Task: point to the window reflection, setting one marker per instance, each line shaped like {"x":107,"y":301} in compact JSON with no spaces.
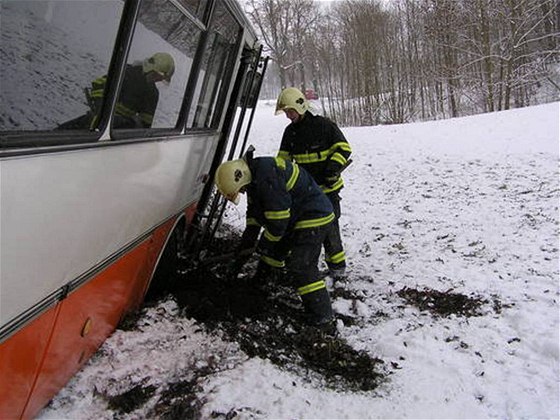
{"x":50,"y":51}
{"x":163,"y":47}
{"x":195,"y":7}
{"x":217,"y":62}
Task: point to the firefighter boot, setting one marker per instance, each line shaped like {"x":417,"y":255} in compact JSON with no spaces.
{"x":318,"y":309}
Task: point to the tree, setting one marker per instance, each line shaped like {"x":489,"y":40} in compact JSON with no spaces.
{"x":285,"y":27}
{"x":375,"y":62}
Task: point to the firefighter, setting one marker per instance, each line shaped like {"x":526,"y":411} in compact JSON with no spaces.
{"x":283,"y":199}
{"x":138,"y":96}
{"x":318,"y":145}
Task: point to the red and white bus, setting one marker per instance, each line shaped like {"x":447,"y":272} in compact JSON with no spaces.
{"x":97,"y":188}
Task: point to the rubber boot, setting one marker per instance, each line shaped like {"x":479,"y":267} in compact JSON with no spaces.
{"x":318,"y":307}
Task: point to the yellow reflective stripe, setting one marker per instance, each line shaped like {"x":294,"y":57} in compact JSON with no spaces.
{"x":100,"y":79}
{"x":293,"y":179}
{"x":337,"y":157}
{"x":336,"y":258}
{"x":335,"y":187}
{"x":271,"y":237}
{"x":312,"y":287}
{"x":312,"y":157}
{"x":277,"y":215}
{"x":96,"y":93}
{"x":272,"y":262}
{"x":284,"y":155}
{"x":93,"y":122}
{"x":344,"y":146}
{"x":251,"y":221}
{"x":147,"y":118}
{"x":124,"y":111}
{"x":310,"y":223}
{"x":98,"y":86}
{"x":280,"y":162}
{"x":323,"y":155}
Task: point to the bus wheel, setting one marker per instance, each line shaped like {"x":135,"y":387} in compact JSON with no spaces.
{"x":167,"y":272}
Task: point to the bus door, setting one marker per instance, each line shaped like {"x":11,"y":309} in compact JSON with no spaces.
{"x":233,"y":144}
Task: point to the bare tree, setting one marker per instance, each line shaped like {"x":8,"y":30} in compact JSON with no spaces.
{"x":389,"y":62}
{"x":285,"y":27}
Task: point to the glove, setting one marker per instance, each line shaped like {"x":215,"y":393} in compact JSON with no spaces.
{"x":267,"y":274}
{"x":330,"y":180}
{"x":234,"y":268}
{"x":243,"y":252}
{"x":332,"y":173}
{"x":263,"y":270}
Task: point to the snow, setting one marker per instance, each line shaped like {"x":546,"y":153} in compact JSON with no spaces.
{"x":467,"y":204}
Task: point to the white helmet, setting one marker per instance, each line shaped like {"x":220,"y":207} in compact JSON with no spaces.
{"x":292,"y":98}
{"x":230,"y":177}
{"x":161,"y":63}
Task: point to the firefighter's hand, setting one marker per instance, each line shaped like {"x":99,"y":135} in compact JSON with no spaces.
{"x":267,"y":274}
{"x":331,"y":176}
{"x":263,"y":270}
{"x":234,"y":269}
{"x":331,"y":180}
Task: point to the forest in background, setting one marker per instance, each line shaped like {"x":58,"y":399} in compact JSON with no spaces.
{"x":396,"y":61}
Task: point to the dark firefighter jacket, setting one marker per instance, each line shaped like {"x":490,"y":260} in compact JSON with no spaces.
{"x":137,"y":100}
{"x":282,"y":197}
{"x":318,"y":145}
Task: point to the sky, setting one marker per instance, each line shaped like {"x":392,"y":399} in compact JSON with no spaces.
{"x":468,"y":205}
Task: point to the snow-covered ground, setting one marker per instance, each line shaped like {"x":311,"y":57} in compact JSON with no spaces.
{"x":468,"y":205}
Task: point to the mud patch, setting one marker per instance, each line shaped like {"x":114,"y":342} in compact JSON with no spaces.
{"x":130,"y":400}
{"x":266,"y":318}
{"x":180,"y":401}
{"x":444,"y":304}
{"x":177,"y":400}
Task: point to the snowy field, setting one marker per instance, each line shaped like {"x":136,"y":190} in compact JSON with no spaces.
{"x":468,"y":206}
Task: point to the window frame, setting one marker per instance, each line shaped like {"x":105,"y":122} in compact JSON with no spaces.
{"x":216,"y":121}
{"x":27,"y":141}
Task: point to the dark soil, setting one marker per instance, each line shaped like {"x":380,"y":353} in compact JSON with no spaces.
{"x":131,"y":399}
{"x":265,"y":317}
{"x":443,"y":304}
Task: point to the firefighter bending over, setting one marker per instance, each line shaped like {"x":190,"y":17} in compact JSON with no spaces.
{"x":283,"y":199}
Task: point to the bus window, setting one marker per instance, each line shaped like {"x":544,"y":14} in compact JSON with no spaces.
{"x":251,"y":88}
{"x":216,"y":67}
{"x":163,"y":47}
{"x":50,"y":51}
{"x":196,"y":7}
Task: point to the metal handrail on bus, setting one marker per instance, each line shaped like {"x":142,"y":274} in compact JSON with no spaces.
{"x":201,"y":235}
{"x":220,"y":203}
{"x":221,"y":200}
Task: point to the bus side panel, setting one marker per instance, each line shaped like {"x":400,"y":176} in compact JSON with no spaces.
{"x":87,"y":317}
{"x":20,"y":360}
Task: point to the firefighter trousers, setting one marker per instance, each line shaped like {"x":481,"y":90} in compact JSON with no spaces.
{"x":334,"y":251}
{"x":303,"y":270}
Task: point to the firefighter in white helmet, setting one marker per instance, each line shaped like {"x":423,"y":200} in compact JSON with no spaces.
{"x":138,"y":97}
{"x":162,"y":64}
{"x":318,"y":145}
{"x":287,"y":204}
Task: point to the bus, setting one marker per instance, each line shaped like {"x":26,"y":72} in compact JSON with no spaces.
{"x":114,"y":115}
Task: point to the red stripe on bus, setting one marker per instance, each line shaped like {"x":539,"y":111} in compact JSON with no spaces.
{"x":41,"y":358}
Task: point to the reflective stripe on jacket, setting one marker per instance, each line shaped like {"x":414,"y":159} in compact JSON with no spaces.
{"x":318,"y":145}
{"x":138,"y":97}
{"x":283,"y":197}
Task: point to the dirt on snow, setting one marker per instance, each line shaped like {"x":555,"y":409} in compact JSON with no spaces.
{"x":265,"y":317}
